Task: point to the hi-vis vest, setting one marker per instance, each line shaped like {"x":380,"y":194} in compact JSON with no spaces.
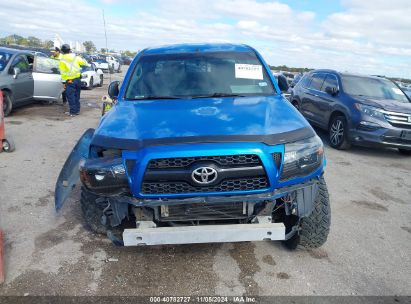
{"x":70,"y":66}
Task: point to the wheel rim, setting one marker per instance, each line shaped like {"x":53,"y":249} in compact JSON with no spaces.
{"x":336,"y":132}
{"x":6,"y":146}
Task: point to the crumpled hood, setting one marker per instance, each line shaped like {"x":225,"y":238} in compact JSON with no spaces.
{"x":206,"y":117}
{"x":387,"y":104}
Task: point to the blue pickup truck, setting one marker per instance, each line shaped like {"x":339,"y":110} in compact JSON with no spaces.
{"x":200,"y":147}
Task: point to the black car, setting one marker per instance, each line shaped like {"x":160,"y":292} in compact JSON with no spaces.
{"x":355,"y":109}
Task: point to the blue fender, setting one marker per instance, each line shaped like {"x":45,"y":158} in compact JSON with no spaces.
{"x":69,"y":175}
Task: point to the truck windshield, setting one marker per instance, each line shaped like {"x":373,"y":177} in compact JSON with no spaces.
{"x":4,"y":59}
{"x":372,"y":87}
{"x":199,"y":75}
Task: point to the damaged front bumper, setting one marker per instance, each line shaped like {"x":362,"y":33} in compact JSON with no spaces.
{"x":261,"y":227}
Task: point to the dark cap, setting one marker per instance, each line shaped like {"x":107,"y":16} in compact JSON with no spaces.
{"x":65,"y":48}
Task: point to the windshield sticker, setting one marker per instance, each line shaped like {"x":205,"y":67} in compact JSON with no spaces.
{"x":397,"y":91}
{"x":248,"y":71}
{"x":262,"y":84}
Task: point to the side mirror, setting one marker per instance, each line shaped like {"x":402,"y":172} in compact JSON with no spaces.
{"x":16,"y":72}
{"x":113,"y":89}
{"x":331,"y":90}
{"x":282,"y":83}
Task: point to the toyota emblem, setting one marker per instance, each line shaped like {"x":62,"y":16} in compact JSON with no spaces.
{"x":204,"y":175}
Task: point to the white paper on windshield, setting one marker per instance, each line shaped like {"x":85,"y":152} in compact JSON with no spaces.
{"x":248,"y":71}
{"x":397,"y":91}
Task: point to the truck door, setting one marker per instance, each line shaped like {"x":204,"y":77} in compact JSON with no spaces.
{"x":22,"y":84}
{"x":47,"y":79}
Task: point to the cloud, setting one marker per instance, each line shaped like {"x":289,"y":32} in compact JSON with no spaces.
{"x":366,"y":36}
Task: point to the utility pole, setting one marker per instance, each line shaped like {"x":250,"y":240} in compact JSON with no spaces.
{"x":105,"y":35}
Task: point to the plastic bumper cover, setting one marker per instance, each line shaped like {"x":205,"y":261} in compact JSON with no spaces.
{"x":387,"y":137}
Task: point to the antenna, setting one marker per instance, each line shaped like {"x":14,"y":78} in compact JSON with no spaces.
{"x":105,"y":35}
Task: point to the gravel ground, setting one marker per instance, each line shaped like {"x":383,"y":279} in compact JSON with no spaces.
{"x":368,"y":251}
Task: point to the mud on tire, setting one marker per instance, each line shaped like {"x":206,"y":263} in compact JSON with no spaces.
{"x":92,"y":211}
{"x":314,"y":228}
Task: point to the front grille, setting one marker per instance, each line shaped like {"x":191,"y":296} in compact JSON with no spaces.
{"x":402,"y":126}
{"x":242,"y":184}
{"x":200,"y":211}
{"x":242,"y":172}
{"x":399,"y":120}
{"x":226,"y":160}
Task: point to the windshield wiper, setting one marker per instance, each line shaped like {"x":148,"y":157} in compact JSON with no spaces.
{"x":155,"y":97}
{"x":218,"y":95}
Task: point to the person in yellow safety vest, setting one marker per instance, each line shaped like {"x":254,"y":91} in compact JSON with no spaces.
{"x":56,"y":54}
{"x":70,"y":70}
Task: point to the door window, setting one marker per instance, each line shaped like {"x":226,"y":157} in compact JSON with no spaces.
{"x":20,"y":62}
{"x":4,"y":59}
{"x":317,"y":81}
{"x":46,"y":65}
{"x":305,"y":82}
{"x":330,"y":81}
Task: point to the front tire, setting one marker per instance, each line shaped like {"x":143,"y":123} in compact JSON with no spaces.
{"x":296,"y":105}
{"x":93,"y":211}
{"x":404,"y":151}
{"x":91,"y":84}
{"x":8,"y":145}
{"x":7,"y":103}
{"x":315,"y":228}
{"x":338,"y":133}
{"x":100,"y":84}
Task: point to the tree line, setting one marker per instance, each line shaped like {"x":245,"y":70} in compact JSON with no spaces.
{"x":35,"y":42}
{"x":30,"y":41}
{"x":285,"y":68}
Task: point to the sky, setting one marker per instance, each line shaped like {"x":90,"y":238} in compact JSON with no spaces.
{"x":360,"y":36}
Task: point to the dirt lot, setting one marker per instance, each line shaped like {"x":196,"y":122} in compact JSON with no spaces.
{"x":368,"y":251}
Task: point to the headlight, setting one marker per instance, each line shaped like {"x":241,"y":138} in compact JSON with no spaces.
{"x":105,"y":176}
{"x":302,"y":158}
{"x":370,"y":111}
{"x":83,"y":76}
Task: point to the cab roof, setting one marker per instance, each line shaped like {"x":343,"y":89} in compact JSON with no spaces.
{"x":192,"y":48}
